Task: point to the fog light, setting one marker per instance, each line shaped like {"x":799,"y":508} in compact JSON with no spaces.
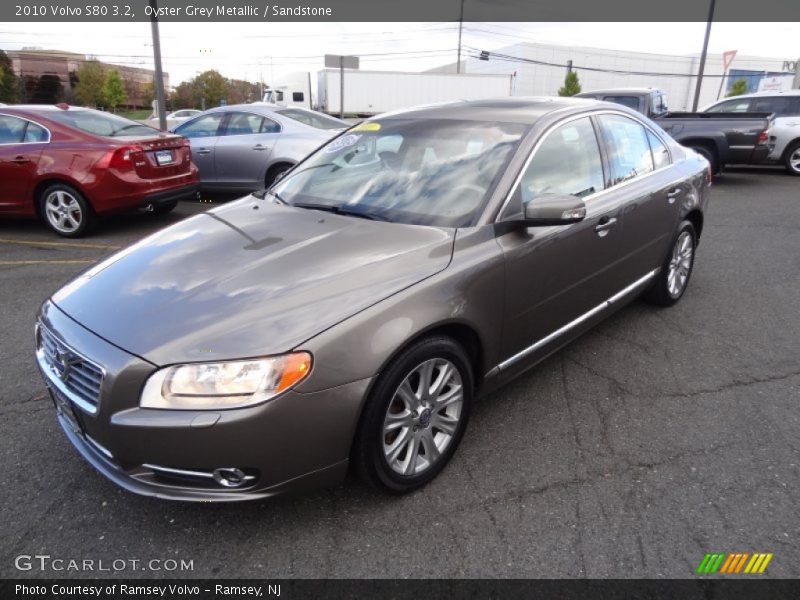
{"x":230,"y":477}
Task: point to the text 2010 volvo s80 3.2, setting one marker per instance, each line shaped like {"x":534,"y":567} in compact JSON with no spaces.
{"x":349,"y":316}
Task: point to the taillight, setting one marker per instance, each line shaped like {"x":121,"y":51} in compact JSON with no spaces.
{"x":763,"y":138}
{"x":121,"y":158}
{"x":186,"y":145}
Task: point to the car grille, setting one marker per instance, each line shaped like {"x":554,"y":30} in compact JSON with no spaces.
{"x":81,"y":378}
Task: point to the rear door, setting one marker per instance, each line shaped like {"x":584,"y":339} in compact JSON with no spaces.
{"x":21,"y":144}
{"x":647,"y":188}
{"x":242,"y":152}
{"x":203,"y":134}
{"x":556,"y":274}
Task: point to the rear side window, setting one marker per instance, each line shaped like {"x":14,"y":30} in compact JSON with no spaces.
{"x":780,"y":105}
{"x":740,"y":105}
{"x":628,"y":148}
{"x":567,"y":162}
{"x":11,"y":129}
{"x":660,"y":152}
{"x":35,"y":133}
{"x":206,"y":126}
{"x":629,"y":101}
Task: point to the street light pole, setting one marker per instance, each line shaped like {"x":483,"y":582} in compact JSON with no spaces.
{"x":702,"y":67}
{"x":460,"y":27}
{"x":159,"y":82}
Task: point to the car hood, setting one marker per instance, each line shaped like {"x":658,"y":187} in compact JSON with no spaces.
{"x":248,"y":279}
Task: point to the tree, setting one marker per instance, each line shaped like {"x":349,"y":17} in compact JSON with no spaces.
{"x":9,"y":85}
{"x":209,"y":88}
{"x":48,"y":90}
{"x":738,"y":88}
{"x":571,"y":85}
{"x":240,"y":91}
{"x":113,"y":89}
{"x":91,"y":79}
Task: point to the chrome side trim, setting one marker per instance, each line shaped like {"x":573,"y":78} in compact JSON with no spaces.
{"x":574,"y":323}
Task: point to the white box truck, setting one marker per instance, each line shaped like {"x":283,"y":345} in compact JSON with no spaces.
{"x":368,"y":93}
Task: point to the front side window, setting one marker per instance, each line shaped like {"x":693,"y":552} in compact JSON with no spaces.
{"x":627,"y":146}
{"x":566,"y":162}
{"x":780,"y":105}
{"x":207,"y":126}
{"x":11,"y":129}
{"x":437,"y":172}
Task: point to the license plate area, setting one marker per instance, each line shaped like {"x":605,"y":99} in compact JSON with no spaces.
{"x":164,"y":157}
{"x":65,"y":408}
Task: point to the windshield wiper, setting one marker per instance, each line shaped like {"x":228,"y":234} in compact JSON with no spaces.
{"x":340,"y":209}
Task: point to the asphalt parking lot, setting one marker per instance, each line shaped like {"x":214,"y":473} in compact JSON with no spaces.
{"x":657,"y":437}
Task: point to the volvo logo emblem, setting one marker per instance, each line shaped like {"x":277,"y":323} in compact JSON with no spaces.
{"x":61,"y":365}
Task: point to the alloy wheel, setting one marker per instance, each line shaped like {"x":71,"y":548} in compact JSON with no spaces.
{"x":63,"y":211}
{"x":794,"y":160}
{"x":680,"y":264}
{"x":422,"y":417}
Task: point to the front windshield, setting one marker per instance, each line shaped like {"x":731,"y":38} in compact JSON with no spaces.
{"x":101,"y":123}
{"x":420,"y":171}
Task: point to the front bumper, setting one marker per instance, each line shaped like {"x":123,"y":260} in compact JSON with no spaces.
{"x":292,"y":443}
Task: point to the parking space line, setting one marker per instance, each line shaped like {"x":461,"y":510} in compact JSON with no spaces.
{"x":59,"y":244}
{"x":47,"y":262}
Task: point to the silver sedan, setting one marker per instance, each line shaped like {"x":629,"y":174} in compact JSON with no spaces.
{"x":245,"y":147}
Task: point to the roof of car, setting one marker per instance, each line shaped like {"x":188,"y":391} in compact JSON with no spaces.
{"x":517,"y":109}
{"x":620,"y":90}
{"x":46,"y":107}
{"x":764,"y":93}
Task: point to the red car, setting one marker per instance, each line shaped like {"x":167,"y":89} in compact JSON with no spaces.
{"x":66,"y":165}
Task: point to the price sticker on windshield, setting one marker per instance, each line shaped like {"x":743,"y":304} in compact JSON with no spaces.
{"x":342,"y":142}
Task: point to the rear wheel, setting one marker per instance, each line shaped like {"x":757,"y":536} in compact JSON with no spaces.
{"x":415,"y":417}
{"x":65,"y":210}
{"x":673,"y":278}
{"x":792,"y":160}
{"x":709,"y":155}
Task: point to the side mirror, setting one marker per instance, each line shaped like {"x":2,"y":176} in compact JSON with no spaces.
{"x":554,"y":209}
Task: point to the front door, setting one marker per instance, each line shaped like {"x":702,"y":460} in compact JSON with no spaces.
{"x":243,"y":151}
{"x":554,"y":275}
{"x":203,"y":133}
{"x":21,"y":144}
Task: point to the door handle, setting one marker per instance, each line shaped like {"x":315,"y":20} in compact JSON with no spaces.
{"x":203,"y":151}
{"x":604,"y":224}
{"x":673,"y":194}
{"x":260,"y":147}
{"x":20,"y":160}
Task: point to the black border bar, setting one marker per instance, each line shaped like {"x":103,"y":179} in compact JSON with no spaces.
{"x":400,"y":10}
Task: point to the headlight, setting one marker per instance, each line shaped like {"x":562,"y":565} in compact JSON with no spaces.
{"x":217,"y":386}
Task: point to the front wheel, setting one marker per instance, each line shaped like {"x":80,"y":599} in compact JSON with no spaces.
{"x":673,"y":278}
{"x":792,"y":161}
{"x":65,"y":210}
{"x":415,"y":416}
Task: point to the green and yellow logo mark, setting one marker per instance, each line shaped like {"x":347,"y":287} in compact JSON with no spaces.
{"x":734,"y":563}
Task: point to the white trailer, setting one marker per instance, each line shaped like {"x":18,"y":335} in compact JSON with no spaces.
{"x":372,"y":92}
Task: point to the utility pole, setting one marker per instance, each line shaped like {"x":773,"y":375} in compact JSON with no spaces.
{"x":703,"y":56}
{"x":159,"y":82}
{"x":460,"y":28}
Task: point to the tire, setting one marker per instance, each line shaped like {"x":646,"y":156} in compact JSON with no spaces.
{"x":792,"y":159}
{"x":676,"y":271}
{"x":275,"y":173}
{"x":398,"y":425}
{"x":164,"y":207}
{"x":710,"y":156}
{"x":65,"y":210}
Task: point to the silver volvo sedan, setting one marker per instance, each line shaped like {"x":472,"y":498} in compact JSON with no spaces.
{"x":350,"y":315}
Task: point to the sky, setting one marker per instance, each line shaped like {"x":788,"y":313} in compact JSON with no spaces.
{"x":269,"y":51}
